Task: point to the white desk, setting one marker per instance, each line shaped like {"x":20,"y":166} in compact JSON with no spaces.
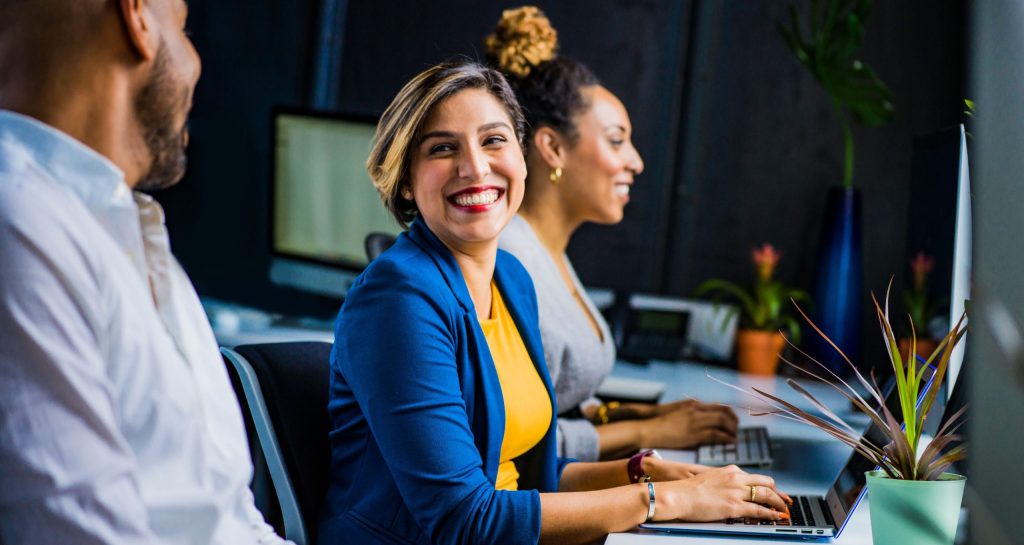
{"x":806,"y":459}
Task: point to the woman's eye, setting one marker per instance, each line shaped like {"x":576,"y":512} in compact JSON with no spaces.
{"x":494,"y":140}
{"x":617,"y":143}
{"x":440,"y":148}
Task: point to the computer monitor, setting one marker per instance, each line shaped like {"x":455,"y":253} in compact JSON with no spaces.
{"x":322,"y":201}
{"x":939,"y":225}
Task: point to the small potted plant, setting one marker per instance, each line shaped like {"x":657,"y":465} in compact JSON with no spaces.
{"x":920,"y":307}
{"x":759,"y":340}
{"x":913,"y":499}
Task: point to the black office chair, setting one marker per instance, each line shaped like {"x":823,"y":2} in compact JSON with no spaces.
{"x":285,"y":388}
{"x":376,"y":243}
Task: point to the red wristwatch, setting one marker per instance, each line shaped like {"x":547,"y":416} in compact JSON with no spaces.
{"x":635,"y":466}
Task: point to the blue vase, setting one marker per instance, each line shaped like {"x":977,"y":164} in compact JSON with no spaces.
{"x":840,"y":285}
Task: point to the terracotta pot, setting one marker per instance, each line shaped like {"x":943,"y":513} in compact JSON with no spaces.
{"x":757,"y":352}
{"x":925,"y":347}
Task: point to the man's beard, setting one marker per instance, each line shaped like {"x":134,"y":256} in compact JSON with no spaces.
{"x":156,"y":107}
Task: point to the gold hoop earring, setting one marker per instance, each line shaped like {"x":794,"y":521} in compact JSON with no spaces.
{"x":556,"y":175}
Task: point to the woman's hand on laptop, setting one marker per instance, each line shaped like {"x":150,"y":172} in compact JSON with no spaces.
{"x":719,"y":494}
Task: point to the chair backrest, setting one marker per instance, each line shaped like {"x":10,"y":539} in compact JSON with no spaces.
{"x":376,"y":243}
{"x":286,"y":390}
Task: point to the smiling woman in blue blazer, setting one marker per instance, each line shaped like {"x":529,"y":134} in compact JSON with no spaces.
{"x":441,"y":403}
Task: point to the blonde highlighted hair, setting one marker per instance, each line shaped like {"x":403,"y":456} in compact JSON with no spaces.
{"x":401,"y":124}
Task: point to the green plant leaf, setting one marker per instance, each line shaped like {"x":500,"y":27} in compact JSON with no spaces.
{"x":729,"y":288}
{"x":946,"y":346}
{"x":793,"y":327}
{"x":835,"y":32}
{"x":940,"y":465}
{"x":907,"y":392}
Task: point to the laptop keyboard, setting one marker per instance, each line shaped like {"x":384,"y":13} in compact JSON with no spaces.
{"x":751,"y":448}
{"x":800,"y":514}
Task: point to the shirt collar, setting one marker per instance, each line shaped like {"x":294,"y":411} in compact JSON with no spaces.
{"x":96,"y":180}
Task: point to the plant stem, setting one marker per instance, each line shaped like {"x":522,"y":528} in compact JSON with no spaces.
{"x":847,"y":149}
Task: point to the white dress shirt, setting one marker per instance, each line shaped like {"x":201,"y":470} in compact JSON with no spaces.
{"x":118,"y":423}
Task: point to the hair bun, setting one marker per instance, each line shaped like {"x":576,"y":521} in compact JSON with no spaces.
{"x":523,"y":40}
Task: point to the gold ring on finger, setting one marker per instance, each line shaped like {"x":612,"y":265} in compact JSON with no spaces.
{"x":753,"y":494}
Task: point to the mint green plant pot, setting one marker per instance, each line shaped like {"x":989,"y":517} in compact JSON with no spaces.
{"x":914,"y":512}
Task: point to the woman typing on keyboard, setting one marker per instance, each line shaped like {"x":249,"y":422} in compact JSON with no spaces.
{"x":442,"y":408}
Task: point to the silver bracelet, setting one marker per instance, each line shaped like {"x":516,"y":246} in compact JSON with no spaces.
{"x":650,"y":501}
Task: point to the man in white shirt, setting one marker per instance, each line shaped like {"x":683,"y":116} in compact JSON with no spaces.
{"x":118,"y":423}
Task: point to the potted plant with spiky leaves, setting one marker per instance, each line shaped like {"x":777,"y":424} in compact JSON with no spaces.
{"x":762,"y":313}
{"x":912,"y":497}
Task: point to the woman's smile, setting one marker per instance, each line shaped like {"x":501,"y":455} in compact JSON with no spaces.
{"x":476,"y":199}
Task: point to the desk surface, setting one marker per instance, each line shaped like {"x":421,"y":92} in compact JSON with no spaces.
{"x":806,"y":459}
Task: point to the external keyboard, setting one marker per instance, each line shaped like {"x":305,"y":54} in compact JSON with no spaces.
{"x":752,"y":448}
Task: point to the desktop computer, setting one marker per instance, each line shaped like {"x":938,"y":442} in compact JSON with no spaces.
{"x":323,"y":204}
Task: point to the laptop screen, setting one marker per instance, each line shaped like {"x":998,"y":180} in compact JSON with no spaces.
{"x":851,"y":481}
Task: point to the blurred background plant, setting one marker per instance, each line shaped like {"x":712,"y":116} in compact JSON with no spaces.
{"x":761,"y":308}
{"x":970,"y":112}
{"x":916,"y":298}
{"x":835,"y":30}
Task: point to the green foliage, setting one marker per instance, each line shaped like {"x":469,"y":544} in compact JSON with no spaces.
{"x":920,"y":309}
{"x":835,"y":31}
{"x":970,"y":113}
{"x":762,"y":307}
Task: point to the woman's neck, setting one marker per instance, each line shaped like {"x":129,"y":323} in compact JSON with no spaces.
{"x":551,"y":223}
{"x":477,"y":269}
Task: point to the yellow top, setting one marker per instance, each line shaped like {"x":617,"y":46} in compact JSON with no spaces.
{"x":527,"y":405}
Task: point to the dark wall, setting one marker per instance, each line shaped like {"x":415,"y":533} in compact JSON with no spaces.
{"x":252,"y":58}
{"x":738,"y":140}
{"x":761,"y":143}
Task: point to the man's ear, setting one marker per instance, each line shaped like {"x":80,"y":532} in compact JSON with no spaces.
{"x":551,"y":146}
{"x":139,"y":28}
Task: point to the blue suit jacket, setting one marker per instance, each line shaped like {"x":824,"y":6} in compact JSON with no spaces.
{"x":417,"y":407}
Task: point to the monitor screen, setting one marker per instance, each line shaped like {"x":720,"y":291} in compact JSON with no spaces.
{"x":323,"y":203}
{"x":939,"y":232}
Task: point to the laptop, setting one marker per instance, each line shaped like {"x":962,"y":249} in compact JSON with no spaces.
{"x":811,"y":516}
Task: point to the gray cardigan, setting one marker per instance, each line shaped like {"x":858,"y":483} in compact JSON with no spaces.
{"x":577,"y":359}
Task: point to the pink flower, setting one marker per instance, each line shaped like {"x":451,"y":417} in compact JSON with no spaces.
{"x":765,"y":258}
{"x":921,"y":265}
